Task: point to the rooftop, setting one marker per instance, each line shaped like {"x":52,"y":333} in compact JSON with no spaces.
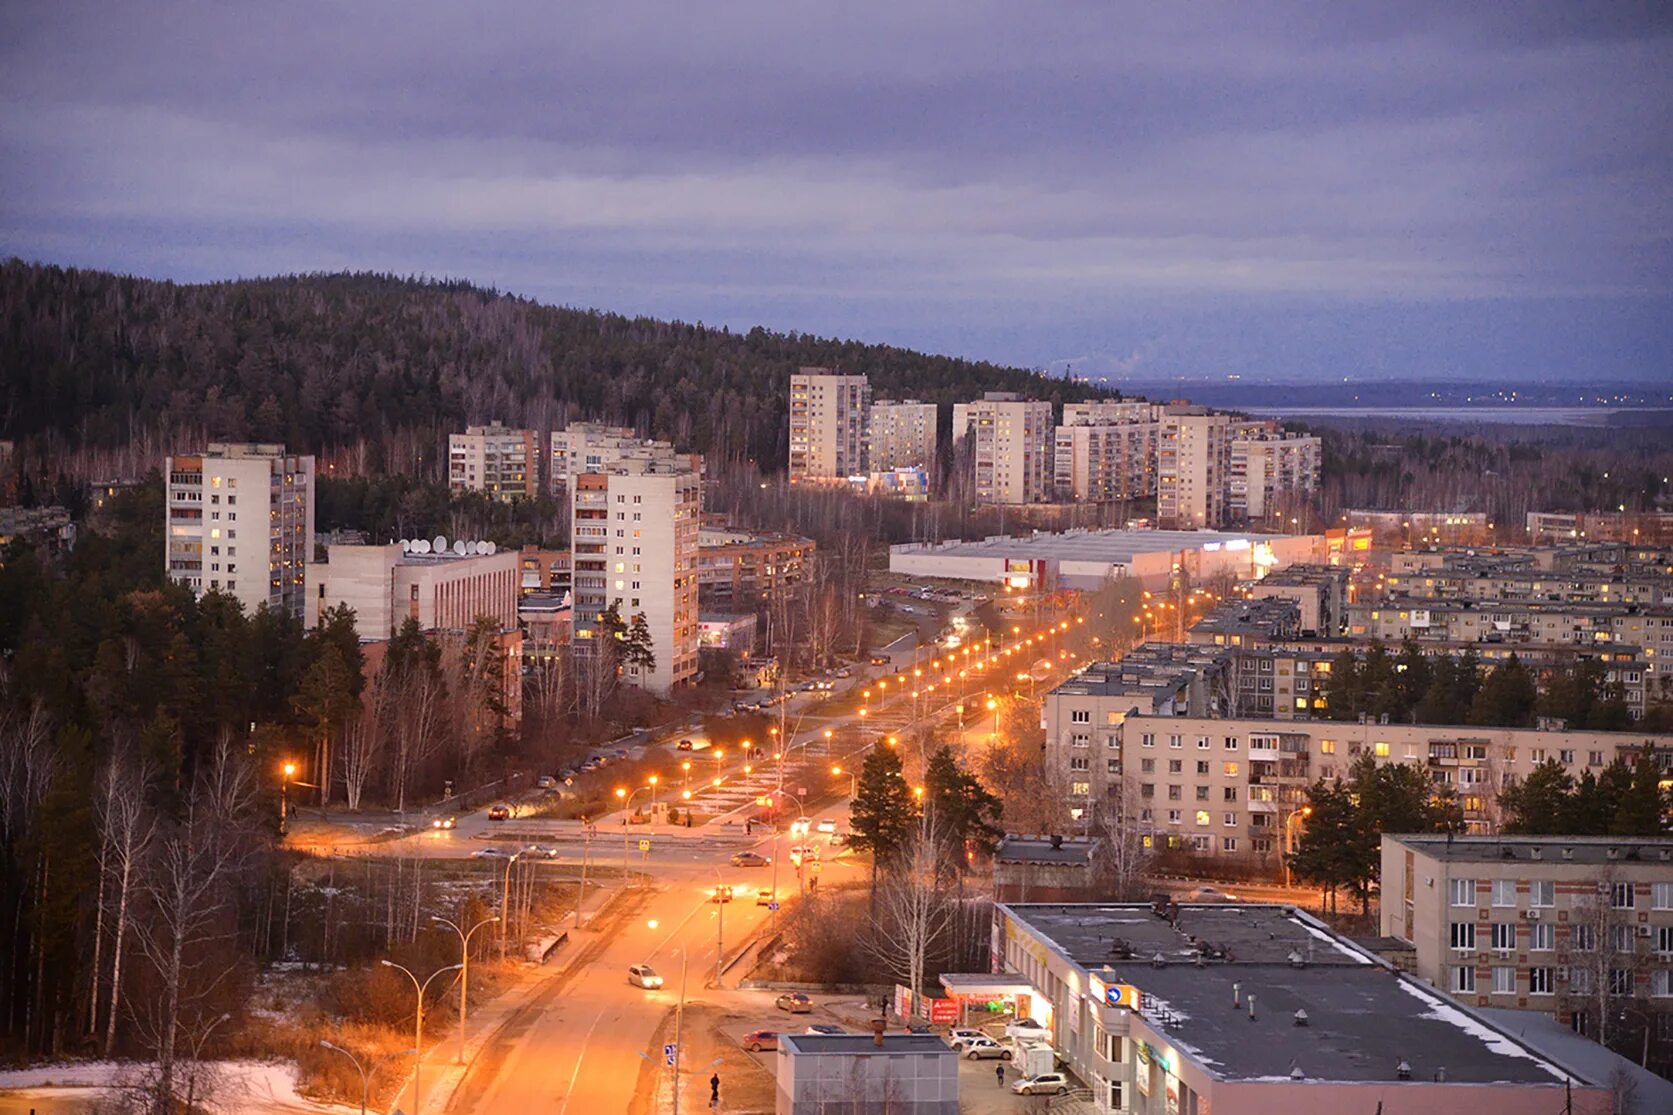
{"x":1268,"y":616}
{"x":1153,"y":669}
{"x":1545,"y":849}
{"x":861,"y":1045}
{"x":1199,"y":968}
{"x":1043,"y":849}
{"x":1091,"y":545}
{"x":1304,"y":574}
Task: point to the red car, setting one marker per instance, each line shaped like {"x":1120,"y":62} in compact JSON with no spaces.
{"x":757,"y":1040}
{"x":499,"y":812}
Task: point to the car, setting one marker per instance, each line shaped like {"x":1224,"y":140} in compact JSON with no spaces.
{"x":845,"y":672}
{"x":499,"y":812}
{"x":958,"y":1038}
{"x":794,"y":1002}
{"x":839,"y":839}
{"x":801,"y":852}
{"x":683,"y":745}
{"x":1042,"y":1084}
{"x":541,"y":851}
{"x":444,"y":822}
{"x":722,"y":893}
{"x":749,"y":859}
{"x":985,"y":1049}
{"x":828,"y":827}
{"x":643,"y":975}
{"x":825,"y":1029}
{"x":757,"y":1040}
{"x":619,"y":753}
{"x":1025,"y":1027}
{"x":545,"y":782}
{"x":879,"y":660}
{"x":1211,"y":894}
{"x":590,"y":765}
{"x":487,"y":853}
{"x":764,"y":896}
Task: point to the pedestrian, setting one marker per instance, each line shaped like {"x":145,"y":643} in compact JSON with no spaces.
{"x":999,"y":1073}
{"x":714,"y":1090}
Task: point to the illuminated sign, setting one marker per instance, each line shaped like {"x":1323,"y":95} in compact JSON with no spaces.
{"x":1123,"y":995}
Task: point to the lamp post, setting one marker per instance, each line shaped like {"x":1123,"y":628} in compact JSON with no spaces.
{"x":418,"y":1025}
{"x":651,"y":782}
{"x":505,"y":904}
{"x":626,"y":799}
{"x":853,"y":781}
{"x":720,"y":926}
{"x":464,"y":972}
{"x":289,"y":770}
{"x":365,"y":1075}
{"x":1289,"y":836}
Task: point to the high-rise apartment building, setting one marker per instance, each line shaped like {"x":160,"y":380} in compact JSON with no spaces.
{"x":830,"y":417}
{"x":590,"y":446}
{"x":501,"y":462}
{"x":634,"y":533}
{"x":1106,"y":461}
{"x":1192,"y":467}
{"x":1272,"y":473}
{"x":1101,"y":412}
{"x":257,"y":491}
{"x":1012,"y":441}
{"x":903,"y":435}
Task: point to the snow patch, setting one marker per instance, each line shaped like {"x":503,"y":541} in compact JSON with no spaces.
{"x":1355,"y":956}
{"x":241,"y":1085}
{"x":1495,"y":1041}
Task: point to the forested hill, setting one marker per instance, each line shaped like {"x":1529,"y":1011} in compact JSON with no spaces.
{"x":388,"y":365}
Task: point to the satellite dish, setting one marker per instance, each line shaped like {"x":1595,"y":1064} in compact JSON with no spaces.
{"x":439,"y":543}
{"x":473,"y":547}
{"x":488,"y":547}
{"x":422,"y":546}
{"x":459,"y":547}
{"x":406,"y":545}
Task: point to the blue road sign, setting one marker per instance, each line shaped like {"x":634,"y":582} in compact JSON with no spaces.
{"x":668,"y":1053}
{"x":772,"y":906}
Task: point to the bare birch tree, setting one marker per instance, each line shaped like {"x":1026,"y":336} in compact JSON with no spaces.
{"x":914,"y":910}
{"x":126,"y":826}
{"x":1119,"y":856}
{"x":363,"y":742}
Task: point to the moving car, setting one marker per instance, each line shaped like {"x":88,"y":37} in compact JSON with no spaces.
{"x":750,"y":859}
{"x":722,"y":893}
{"x":545,"y":782}
{"x":839,"y":839}
{"x":825,"y":1029}
{"x":986,"y":1049}
{"x":683,"y":745}
{"x":1043,"y":1084}
{"x":800,"y":852}
{"x":879,"y":660}
{"x":794,"y":1002}
{"x":444,"y":822}
{"x":643,"y":975}
{"x":764,"y":896}
{"x":541,"y":851}
{"x":757,"y":1040}
{"x":826,"y":826}
{"x":487,"y":853}
{"x":958,"y":1039}
{"x":1211,"y":894}
{"x":499,"y":812}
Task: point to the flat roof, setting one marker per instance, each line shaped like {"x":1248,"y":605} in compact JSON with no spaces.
{"x":1089,"y":545}
{"x":1542,"y":849}
{"x":863,"y":1044}
{"x":1649,"y":1091}
{"x":1363,"y":1016}
{"x":1041,"y":849}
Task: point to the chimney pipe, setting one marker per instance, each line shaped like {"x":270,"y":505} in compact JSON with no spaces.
{"x":1237,"y":1001}
{"x":877,"y":1025}
{"x":1251,"y":1006}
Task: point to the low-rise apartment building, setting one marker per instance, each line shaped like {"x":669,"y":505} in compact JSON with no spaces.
{"x":1572,"y":927}
{"x":444,"y":590}
{"x":1650,"y":527}
{"x":500,"y":462}
{"x":1320,"y":591}
{"x":747,"y":567}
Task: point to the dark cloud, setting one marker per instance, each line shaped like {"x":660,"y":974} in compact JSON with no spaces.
{"x":995,"y":177}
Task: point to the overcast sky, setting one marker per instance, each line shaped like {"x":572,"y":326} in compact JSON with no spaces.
{"x":1156,"y":189}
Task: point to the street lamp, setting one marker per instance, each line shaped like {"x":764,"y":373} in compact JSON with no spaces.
{"x":853,"y":779}
{"x":289,"y":770}
{"x":505,"y":904}
{"x":365,"y":1076}
{"x":627,"y":803}
{"x":418,"y":1025}
{"x":1289,"y":837}
{"x":651,"y":782}
{"x":464,"y":971}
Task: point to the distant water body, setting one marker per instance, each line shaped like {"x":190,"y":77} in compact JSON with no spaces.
{"x":1494,"y":416}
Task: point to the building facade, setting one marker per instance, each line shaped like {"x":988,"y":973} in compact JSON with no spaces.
{"x":259,"y":491}
{"x":1193,"y":464}
{"x":1105,"y":462}
{"x":1012,"y":446}
{"x":1272,"y":475}
{"x":443,"y":590}
{"x":634,"y":532}
{"x":591,"y":446}
{"x":904,"y":434}
{"x":499,"y":462}
{"x":743,"y":567}
{"x":830,"y":422}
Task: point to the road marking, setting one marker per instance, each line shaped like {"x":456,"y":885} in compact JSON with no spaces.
{"x":580,"y":1056}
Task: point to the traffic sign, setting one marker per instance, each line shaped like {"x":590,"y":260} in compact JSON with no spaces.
{"x":668,"y":1053}
{"x":644,"y":845}
{"x":772,"y":907}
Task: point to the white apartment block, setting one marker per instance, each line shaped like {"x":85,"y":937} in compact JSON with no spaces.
{"x":1232,"y":787}
{"x":1192,"y":468}
{"x":634,"y":533}
{"x":591,"y":446}
{"x":903,"y":435}
{"x":1105,"y":461}
{"x":1104,"y":412}
{"x":230,"y":489}
{"x":830,"y":417}
{"x":444,"y":590}
{"x":1272,"y":474}
{"x":1015,"y":456}
{"x":500,"y":462}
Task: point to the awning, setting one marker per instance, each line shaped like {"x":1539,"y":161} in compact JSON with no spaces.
{"x":985,"y":985}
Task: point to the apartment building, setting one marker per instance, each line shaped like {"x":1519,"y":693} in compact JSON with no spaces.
{"x":1232,"y":787}
{"x":830,"y":423}
{"x":1110,"y":412}
{"x":634,"y":532}
{"x":1319,"y":591}
{"x":591,"y":446}
{"x":1012,"y":445}
{"x":748,"y":567}
{"x":497,"y":461}
{"x":546,"y":570}
{"x":1569,"y":926}
{"x":1272,"y":474}
{"x":444,"y":589}
{"x":1255,"y":1009}
{"x":1652,"y":527}
{"x":1106,"y":461}
{"x":1193,"y":465}
{"x":904,"y":434}
{"x":259,"y":490}
{"x":1464,"y":579}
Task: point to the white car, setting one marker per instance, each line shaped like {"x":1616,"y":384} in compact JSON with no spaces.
{"x":959,"y":1038}
{"x":643,"y":975}
{"x":1025,"y":1028}
{"x":827,"y":827}
{"x":1042,"y":1084}
{"x":985,"y":1049}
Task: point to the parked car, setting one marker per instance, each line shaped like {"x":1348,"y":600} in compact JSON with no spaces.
{"x":722,"y":893}
{"x":444,"y":822}
{"x":545,"y":782}
{"x":986,"y":1049}
{"x":590,"y":765}
{"x":839,"y":839}
{"x":1042,"y":1084}
{"x":794,"y":1002}
{"x":825,"y":1029}
{"x":764,"y":896}
{"x":757,"y":1040}
{"x":619,"y":753}
{"x":1025,"y":1028}
{"x":749,"y":859}
{"x":827,"y":826}
{"x":643,"y":975}
{"x":487,"y":853}
{"x":499,"y":812}
{"x":845,"y":672}
{"x":958,"y":1039}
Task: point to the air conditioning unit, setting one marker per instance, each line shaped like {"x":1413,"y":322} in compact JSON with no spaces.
{"x":1643,"y":931}
{"x":1534,"y":915}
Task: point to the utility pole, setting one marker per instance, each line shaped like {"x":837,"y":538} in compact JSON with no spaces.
{"x":586,"y":855}
{"x":679,"y":1021}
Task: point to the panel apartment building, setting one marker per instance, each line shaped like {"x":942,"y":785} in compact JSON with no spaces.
{"x":830,"y":425}
{"x":591,"y":446}
{"x":1567,"y":926}
{"x":904,"y":434}
{"x":1193,"y":468}
{"x":499,"y":462}
{"x":1012,"y":441}
{"x":1105,"y":451}
{"x":232,"y":488}
{"x":634,"y":532}
{"x":1271,"y":474}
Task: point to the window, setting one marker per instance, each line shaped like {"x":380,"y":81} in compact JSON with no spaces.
{"x":1231,"y":743}
{"x":1463,"y":892}
{"x":1463,"y":935}
{"x":1381,"y":750}
{"x":1504,"y":892}
{"x":1661,"y":983}
{"x":1176,"y":742}
{"x":1230,"y":820}
{"x":1202,"y":793}
{"x":1078,"y":763}
{"x":1174,"y":794}
{"x":1621,"y":938}
{"x":1080,"y":716}
{"x":1661,"y":896}
{"x":1202,"y":743}
{"x":1542,"y":936}
{"x":1261,"y":844}
{"x":1114,"y":765}
{"x":1620,"y":981}
{"x":1463,"y":978}
{"x":1621,"y":896}
{"x":1542,"y":892}
{"x":1202,"y":768}
{"x":1148,"y":739}
{"x":1664,"y":938}
{"x":1148,"y":766}
{"x":1203,"y":817}
{"x":1175,"y":816}
{"x":1579,"y":980}
{"x":1230,"y":794}
{"x":1231,"y":770}
{"x":1080,"y":789}
{"x":1504,"y":934}
{"x":1504,"y":981}
{"x":1566,"y":756}
{"x":1583,"y":938}
{"x":1175,"y":766}
{"x":1229,"y":843}
{"x":1327,"y":747}
{"x":1147,"y":790}
{"x":1539,"y":981}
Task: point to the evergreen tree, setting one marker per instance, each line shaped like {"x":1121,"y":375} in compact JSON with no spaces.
{"x":1642,"y":810}
{"x":1539,"y":805}
{"x":637,"y":646}
{"x":882,"y":816}
{"x":1342,"y":688}
{"x":1327,"y":851}
{"x":963,"y":812}
{"x":1506,"y":699}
